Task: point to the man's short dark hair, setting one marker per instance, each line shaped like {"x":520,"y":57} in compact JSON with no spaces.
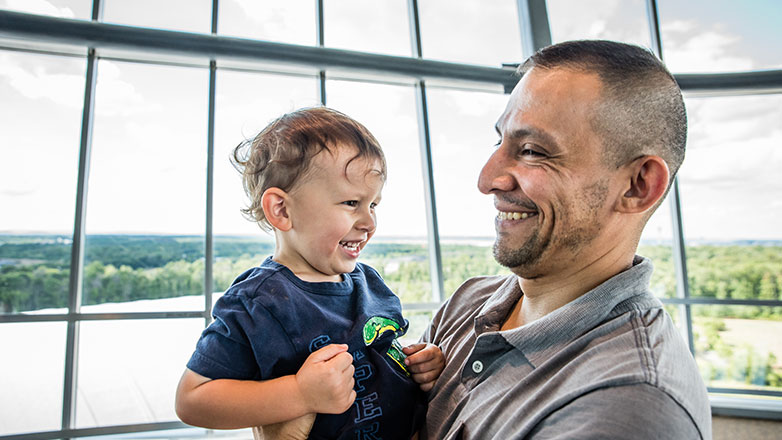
{"x":641,"y":111}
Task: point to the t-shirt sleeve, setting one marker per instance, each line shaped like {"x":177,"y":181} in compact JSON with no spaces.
{"x":629,"y":412}
{"x":225,"y":350}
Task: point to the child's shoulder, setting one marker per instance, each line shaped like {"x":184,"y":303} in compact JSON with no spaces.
{"x":251,"y":282}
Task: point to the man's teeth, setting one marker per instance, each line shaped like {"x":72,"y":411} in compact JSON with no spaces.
{"x":512,"y":215}
{"x":352,"y":246}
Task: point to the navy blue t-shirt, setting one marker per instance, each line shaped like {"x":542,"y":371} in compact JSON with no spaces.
{"x":269,"y":321}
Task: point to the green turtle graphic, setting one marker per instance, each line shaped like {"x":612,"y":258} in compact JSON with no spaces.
{"x":376,"y":326}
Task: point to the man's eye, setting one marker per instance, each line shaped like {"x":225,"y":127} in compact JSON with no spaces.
{"x":526,"y":151}
{"x":352,"y":203}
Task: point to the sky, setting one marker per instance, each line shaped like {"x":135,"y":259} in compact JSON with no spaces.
{"x":148,"y":165}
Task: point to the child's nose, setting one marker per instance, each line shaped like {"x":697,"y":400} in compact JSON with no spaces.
{"x":367,"y":222}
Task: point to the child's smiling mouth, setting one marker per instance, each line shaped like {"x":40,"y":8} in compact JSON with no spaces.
{"x":353,"y":248}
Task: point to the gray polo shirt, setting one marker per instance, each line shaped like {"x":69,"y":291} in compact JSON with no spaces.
{"x":610,"y":364}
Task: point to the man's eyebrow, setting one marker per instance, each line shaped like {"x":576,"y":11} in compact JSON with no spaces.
{"x":528,"y":132}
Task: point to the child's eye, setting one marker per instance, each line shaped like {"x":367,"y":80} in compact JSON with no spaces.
{"x":351,"y":203}
{"x":372,"y":205}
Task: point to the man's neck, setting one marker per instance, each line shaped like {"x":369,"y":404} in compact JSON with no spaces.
{"x":544,"y":294}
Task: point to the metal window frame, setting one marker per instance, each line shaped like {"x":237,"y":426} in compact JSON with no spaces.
{"x":209,"y":50}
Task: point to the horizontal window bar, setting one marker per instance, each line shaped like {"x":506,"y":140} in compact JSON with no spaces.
{"x":103,"y":430}
{"x":111,"y":36}
{"x":761,"y":81}
{"x":730,"y":406}
{"x":723,"y":302}
{"x":748,"y":392}
{"x":22,"y":317}
{"x":421,"y":306}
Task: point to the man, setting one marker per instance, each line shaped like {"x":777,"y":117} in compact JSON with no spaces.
{"x":573,"y":345}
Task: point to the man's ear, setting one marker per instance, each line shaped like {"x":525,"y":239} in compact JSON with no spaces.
{"x":647,"y":183}
{"x":274,"y":202}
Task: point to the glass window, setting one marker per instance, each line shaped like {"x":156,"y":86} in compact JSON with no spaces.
{"x":738,"y":347}
{"x":471,"y":32}
{"x":145,"y":210}
{"x":31,"y":376}
{"x":81,"y":9}
{"x":732,"y":196}
{"x":246,"y":103}
{"x":599,"y":19}
{"x":368,"y":26}
{"x":291,"y":21}
{"x":463,"y":138}
{"x":128,"y":369}
{"x":657,"y":245}
{"x":720,"y":35}
{"x":398,"y":250}
{"x":166,"y":14}
{"x":40,"y":126}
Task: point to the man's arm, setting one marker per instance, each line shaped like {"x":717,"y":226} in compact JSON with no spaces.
{"x":324,"y":384}
{"x":637,"y":411}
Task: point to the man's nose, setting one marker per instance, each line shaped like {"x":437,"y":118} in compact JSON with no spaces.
{"x":494,"y":176}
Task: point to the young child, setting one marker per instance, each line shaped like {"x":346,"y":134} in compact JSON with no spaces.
{"x":310,"y":331}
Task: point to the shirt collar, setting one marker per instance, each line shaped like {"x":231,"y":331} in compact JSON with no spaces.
{"x":538,"y":339}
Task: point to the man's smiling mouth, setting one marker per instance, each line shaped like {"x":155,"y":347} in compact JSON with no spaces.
{"x":502,"y":215}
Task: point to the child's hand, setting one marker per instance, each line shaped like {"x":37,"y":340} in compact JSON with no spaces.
{"x":326,"y":380}
{"x":425,"y":362}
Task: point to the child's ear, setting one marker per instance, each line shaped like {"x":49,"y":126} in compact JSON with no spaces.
{"x":274,"y":202}
{"x":647,"y":183}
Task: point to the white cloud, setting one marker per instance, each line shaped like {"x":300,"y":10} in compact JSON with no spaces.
{"x":41,"y":7}
{"x":689,"y":46}
{"x":37,"y":83}
{"x":118,"y":97}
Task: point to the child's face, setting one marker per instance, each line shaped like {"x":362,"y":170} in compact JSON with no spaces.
{"x":332,"y":212}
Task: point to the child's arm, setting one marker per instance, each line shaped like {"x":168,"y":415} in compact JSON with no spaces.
{"x":426,"y":362}
{"x":324,"y":384}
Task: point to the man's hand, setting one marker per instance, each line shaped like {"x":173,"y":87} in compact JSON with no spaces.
{"x":425,"y":362}
{"x":325,"y":380}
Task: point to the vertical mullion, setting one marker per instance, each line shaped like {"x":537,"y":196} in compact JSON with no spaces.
{"x":679,"y":250}
{"x":210,"y":136}
{"x":76,"y":275}
{"x":533,"y":25}
{"x":321,"y":37}
{"x":422,"y":111}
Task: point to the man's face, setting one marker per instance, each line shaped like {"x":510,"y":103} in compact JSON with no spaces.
{"x":550,"y":185}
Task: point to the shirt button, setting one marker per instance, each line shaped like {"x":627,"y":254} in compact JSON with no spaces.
{"x":477,"y":367}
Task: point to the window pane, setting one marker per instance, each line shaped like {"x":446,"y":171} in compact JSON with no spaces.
{"x":129,"y":369}
{"x":239,"y":243}
{"x":368,"y":26}
{"x":399,"y":249}
{"x":40,"y":126}
{"x":624,"y":21}
{"x":291,"y":21}
{"x":463,"y":135}
{"x":166,"y":14}
{"x":145,"y":211}
{"x":720,"y":35}
{"x":471,"y":32}
{"x":738,"y":346}
{"x":81,"y":9}
{"x":31,"y":376}
{"x":418,"y":323}
{"x":657,"y":245}
{"x":732,"y":195}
